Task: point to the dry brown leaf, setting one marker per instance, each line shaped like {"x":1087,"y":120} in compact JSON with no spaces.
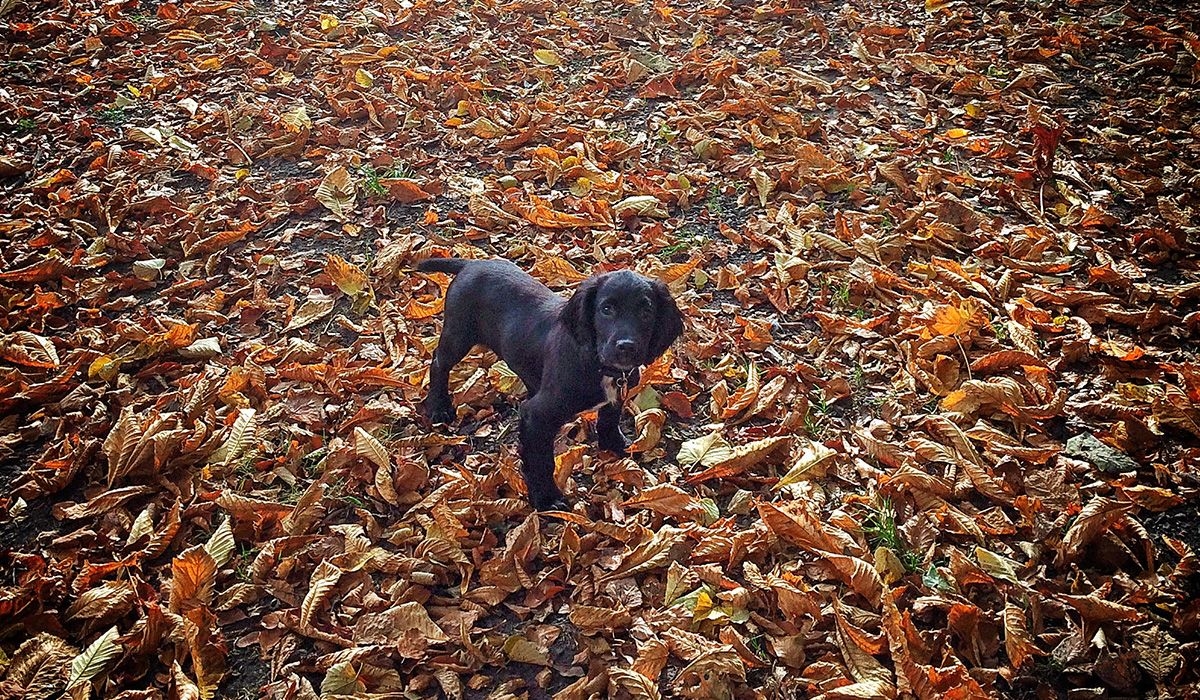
{"x":1018,"y":643}
{"x":337,"y":192}
{"x":1096,"y":517}
{"x":193,"y":574}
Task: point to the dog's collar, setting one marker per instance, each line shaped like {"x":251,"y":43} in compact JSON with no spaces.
{"x":622,"y":376}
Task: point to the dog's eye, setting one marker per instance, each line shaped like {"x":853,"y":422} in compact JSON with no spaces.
{"x":608,"y":309}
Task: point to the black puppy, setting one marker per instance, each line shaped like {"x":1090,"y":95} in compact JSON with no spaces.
{"x":571,"y":355}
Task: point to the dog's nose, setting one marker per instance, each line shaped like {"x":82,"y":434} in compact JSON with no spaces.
{"x":625,"y":347}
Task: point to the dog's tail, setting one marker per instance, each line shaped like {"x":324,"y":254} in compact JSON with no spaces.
{"x":447,"y":265}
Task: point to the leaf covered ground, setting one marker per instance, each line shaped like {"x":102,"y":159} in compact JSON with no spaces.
{"x":933,"y":430}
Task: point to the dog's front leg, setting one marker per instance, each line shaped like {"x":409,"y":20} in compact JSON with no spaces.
{"x":608,"y":429}
{"x":540,"y":423}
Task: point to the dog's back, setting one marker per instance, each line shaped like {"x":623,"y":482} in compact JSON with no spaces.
{"x":493,"y":287}
{"x":496,"y":304}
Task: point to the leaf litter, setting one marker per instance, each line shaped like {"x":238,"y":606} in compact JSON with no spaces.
{"x":933,"y":431}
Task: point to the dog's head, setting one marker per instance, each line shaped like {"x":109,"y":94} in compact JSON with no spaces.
{"x":628,"y":319}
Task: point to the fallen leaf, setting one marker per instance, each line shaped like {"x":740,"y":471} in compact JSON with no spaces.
{"x":337,"y":192}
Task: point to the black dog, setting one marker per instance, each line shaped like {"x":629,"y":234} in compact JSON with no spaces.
{"x":571,"y":355}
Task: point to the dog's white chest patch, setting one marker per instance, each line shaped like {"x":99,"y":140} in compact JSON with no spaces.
{"x":612,"y":393}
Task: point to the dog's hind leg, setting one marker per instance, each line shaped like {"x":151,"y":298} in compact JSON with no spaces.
{"x":453,"y":346}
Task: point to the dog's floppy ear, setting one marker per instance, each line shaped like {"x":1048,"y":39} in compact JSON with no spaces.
{"x":579,"y":313}
{"x":668,"y":322}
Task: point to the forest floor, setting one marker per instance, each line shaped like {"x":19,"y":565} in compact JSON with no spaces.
{"x":933,"y":430}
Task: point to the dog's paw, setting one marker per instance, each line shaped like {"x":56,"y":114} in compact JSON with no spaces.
{"x":442,"y":415}
{"x":437,"y":411}
{"x":549,"y":501}
{"x":615,"y":444}
{"x":557,"y":504}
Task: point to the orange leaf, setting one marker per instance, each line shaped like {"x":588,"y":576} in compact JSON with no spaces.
{"x":347,"y":276}
{"x":29,"y":349}
{"x":678,"y":403}
{"x":552,"y":269}
{"x":192,"y":576}
{"x":1005,"y":359}
{"x":542,"y":214}
{"x":741,"y":458}
{"x":659,"y":86}
{"x":419,"y":310}
{"x":217,"y":241}
{"x":404,"y":190}
{"x":666,"y":499}
{"x":957,"y":320}
{"x":742,"y":398}
{"x":1096,"y":517}
{"x":44,"y":271}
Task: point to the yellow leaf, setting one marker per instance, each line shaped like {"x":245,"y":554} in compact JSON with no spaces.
{"x":347,"y":276}
{"x":998,"y":566}
{"x":889,"y":566}
{"x":957,"y":133}
{"x":364,"y":78}
{"x":814,"y":459}
{"x":547,"y":57}
{"x":105,"y":366}
{"x":220,"y":544}
{"x":505,"y":379}
{"x":706,"y":450}
{"x":520,"y":649}
{"x":641,"y":205}
{"x":296,"y":120}
{"x":555,"y":270}
{"x":329,"y":23}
